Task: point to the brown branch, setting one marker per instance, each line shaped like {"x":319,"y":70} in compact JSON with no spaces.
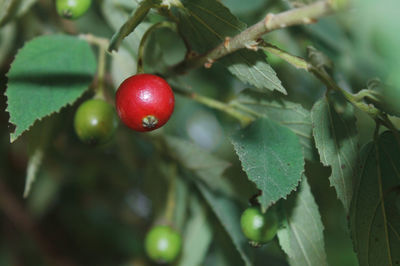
{"x":247,"y":38}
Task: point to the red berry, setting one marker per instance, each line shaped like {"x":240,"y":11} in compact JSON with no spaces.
{"x":144,"y":102}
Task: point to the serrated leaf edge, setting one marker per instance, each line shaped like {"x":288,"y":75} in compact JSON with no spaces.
{"x":14,"y":137}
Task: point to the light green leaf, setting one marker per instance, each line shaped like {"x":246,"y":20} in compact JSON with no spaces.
{"x":205,"y":24}
{"x":272,"y":157}
{"x":336,"y":139}
{"x":116,"y":13}
{"x":289,"y":114}
{"x":229,"y":215}
{"x":197,"y":236}
{"x":374,"y":216}
{"x":302,"y":236}
{"x":47,"y":74}
{"x":136,"y":17}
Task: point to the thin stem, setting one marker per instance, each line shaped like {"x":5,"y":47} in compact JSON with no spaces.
{"x":101,"y":70}
{"x":146,"y":35}
{"x":240,"y":106}
{"x":324,"y":77}
{"x":244,"y":119}
{"x":249,"y":37}
{"x":98,"y":41}
{"x":295,"y":61}
{"x":102,"y":44}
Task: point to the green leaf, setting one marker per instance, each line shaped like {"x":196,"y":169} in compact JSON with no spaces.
{"x":336,"y":139}
{"x":205,"y":24}
{"x":272,"y":157}
{"x":289,"y":114}
{"x":208,"y":170}
{"x":117,"y":13}
{"x":229,"y":215}
{"x":136,"y":17}
{"x":197,"y":236}
{"x":47,"y":74}
{"x":302,"y":236}
{"x":207,"y":167}
{"x":374,"y":216}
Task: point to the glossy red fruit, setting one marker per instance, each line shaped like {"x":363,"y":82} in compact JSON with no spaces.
{"x":144,"y":102}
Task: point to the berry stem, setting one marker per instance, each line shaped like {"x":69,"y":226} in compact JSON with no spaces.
{"x":101,"y":70}
{"x":244,"y":119}
{"x":146,"y":35}
{"x":102,"y":45}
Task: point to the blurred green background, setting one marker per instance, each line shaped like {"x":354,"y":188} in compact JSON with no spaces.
{"x":93,"y":205}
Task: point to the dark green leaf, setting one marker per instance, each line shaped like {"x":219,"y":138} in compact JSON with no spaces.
{"x":48,"y":73}
{"x":272,"y":157}
{"x":208,"y":170}
{"x":374,"y":216}
{"x":336,"y":139}
{"x":229,"y":215}
{"x":286,"y":113}
{"x":137,"y":16}
{"x":205,"y":24}
{"x":302,"y":236}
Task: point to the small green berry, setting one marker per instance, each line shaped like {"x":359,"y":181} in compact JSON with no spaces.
{"x":259,"y":228}
{"x":72,"y":9}
{"x":163,"y":244}
{"x":95,"y":121}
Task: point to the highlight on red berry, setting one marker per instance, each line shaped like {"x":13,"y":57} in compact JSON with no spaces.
{"x":144,"y":102}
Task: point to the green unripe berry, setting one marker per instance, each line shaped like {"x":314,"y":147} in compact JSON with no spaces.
{"x":163,"y":244}
{"x":259,"y":228}
{"x":95,"y":121}
{"x":72,"y":9}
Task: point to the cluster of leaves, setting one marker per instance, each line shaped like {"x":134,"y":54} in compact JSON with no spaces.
{"x":191,"y":154}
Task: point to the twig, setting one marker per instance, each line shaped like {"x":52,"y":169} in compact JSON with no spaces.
{"x":304,"y":15}
{"x":244,"y":119}
{"x":324,"y":77}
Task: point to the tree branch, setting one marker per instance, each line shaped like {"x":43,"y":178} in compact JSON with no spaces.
{"x":249,"y":37}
